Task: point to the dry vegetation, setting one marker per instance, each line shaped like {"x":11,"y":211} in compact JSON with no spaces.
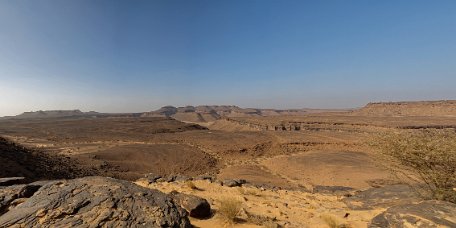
{"x":330,"y":221}
{"x":229,"y":209}
{"x":425,"y":158}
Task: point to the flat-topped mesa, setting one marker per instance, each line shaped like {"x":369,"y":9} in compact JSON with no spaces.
{"x":411,"y":108}
{"x":53,"y":114}
{"x":208,"y":113}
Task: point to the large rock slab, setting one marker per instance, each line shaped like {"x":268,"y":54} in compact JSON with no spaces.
{"x":96,"y":202}
{"x":429,"y":213}
{"x":382,"y":197}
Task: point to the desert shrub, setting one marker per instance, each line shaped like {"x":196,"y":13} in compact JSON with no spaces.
{"x":229,"y":209}
{"x":425,"y":157}
{"x":333,"y":222}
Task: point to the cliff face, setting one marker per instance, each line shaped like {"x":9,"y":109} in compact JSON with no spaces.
{"x":417,"y":108}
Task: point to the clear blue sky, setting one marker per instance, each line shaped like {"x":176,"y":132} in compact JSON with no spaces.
{"x":128,"y":56}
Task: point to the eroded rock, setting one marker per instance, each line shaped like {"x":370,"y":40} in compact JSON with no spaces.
{"x":96,"y":202}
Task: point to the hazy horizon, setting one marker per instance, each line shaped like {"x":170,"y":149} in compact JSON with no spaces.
{"x":122,"y":56}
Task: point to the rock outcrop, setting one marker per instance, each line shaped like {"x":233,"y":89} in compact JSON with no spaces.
{"x":429,"y":213}
{"x":387,"y":196}
{"x":89,"y":202}
{"x":234,"y":183}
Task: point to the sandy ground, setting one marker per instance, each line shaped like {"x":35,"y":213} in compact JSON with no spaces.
{"x":283,"y":207}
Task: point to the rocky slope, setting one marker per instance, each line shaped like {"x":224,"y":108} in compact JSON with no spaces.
{"x":35,"y":164}
{"x":418,"y":108}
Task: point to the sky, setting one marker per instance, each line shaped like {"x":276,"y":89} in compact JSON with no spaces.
{"x":134,"y":56}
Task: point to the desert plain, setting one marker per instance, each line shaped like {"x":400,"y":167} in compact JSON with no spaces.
{"x":287,"y":168}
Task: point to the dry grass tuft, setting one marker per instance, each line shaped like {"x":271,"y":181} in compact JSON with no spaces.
{"x":229,"y":209}
{"x":331,"y":221}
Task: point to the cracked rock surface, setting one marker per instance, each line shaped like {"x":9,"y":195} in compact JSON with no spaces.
{"x":90,"y":202}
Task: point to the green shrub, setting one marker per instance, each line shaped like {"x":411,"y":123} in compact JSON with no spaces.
{"x":425,"y":157}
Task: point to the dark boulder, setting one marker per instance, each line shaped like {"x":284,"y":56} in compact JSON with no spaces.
{"x":234,"y":183}
{"x":170,"y":178}
{"x":196,"y":206}
{"x":151,"y":178}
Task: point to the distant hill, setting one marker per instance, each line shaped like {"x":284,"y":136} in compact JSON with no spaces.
{"x":209,"y":113}
{"x":67,"y":114}
{"x":409,"y":108}
{"x":51,"y":114}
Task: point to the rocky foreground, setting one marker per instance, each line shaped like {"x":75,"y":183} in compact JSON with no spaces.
{"x":179,"y":201}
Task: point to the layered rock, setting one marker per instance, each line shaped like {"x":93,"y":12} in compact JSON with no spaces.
{"x":89,"y":202}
